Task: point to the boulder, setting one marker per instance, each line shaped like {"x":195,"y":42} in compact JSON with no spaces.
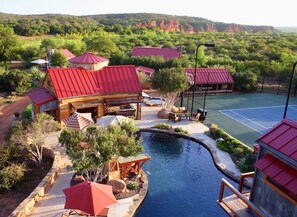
{"x":163,"y":114}
{"x":118,"y":186}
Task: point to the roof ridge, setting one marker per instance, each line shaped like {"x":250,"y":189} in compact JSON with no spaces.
{"x":290,"y":122}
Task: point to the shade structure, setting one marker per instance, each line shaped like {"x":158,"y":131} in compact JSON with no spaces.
{"x":79,"y":120}
{"x":114,"y":120}
{"x":89,"y":197}
{"x":39,"y":61}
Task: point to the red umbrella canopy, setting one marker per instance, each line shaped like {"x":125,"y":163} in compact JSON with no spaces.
{"x":89,"y":197}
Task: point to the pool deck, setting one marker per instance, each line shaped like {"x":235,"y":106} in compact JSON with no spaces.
{"x":52,"y":204}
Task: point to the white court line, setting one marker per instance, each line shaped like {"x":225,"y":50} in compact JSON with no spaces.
{"x":264,"y":107}
{"x":240,"y":121}
{"x":251,"y":120}
{"x":294,"y":107}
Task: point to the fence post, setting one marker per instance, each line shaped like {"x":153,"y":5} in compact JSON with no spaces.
{"x":262,"y":83}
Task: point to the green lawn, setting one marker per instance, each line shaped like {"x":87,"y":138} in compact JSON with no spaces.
{"x":214,"y":103}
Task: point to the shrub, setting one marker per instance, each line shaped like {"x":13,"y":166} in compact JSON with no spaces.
{"x":246,"y":164}
{"x":4,"y":156}
{"x":12,"y":154}
{"x":27,"y":112}
{"x":216,"y":133}
{"x":186,"y":132}
{"x":239,"y":152}
{"x":162,"y":126}
{"x":179,"y":129}
{"x":132,"y":185}
{"x":225,"y":145}
{"x":213,"y":129}
{"x":11,"y":175}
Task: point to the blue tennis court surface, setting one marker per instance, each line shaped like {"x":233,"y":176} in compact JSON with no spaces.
{"x":261,"y":119}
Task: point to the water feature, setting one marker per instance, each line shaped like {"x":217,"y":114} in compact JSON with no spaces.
{"x":183,"y":180}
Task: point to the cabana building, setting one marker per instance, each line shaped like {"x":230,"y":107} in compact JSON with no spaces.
{"x":166,"y":53}
{"x":144,"y":75}
{"x":274,"y":189}
{"x":89,"y":61}
{"x":110,"y":90}
{"x":67,"y":53}
{"x":214,"y":80}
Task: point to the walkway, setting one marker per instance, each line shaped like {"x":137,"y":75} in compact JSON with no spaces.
{"x":53,"y":203}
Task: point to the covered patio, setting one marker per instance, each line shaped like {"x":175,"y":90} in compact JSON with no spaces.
{"x":212,"y":80}
{"x":123,"y":106}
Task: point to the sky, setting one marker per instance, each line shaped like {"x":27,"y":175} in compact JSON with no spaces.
{"x":253,"y":12}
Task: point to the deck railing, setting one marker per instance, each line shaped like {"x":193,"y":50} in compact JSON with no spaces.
{"x":239,"y":195}
{"x":242,"y":180}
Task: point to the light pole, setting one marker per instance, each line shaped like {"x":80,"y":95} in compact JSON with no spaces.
{"x":195,"y":73}
{"x":289,"y":91}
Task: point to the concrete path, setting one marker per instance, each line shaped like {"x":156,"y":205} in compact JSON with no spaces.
{"x":53,"y":203}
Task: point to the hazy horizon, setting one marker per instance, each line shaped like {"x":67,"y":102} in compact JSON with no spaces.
{"x":254,"y":12}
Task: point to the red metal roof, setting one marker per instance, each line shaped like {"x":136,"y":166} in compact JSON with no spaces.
{"x":145,"y":69}
{"x":280,"y":172}
{"x":67,"y":53}
{"x":88,"y":58}
{"x":166,"y":53}
{"x":283,"y":138}
{"x":41,"y":96}
{"x":69,"y":82}
{"x":211,"y":75}
{"x":118,"y":79}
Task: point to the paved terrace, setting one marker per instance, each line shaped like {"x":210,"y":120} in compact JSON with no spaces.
{"x":52,"y":204}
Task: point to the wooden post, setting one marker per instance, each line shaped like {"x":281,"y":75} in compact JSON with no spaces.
{"x":138,"y":113}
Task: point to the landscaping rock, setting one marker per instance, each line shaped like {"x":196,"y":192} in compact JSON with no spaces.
{"x":163,"y":114}
{"x":118,"y":186}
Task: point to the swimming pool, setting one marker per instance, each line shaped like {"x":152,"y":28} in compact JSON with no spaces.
{"x":183,"y":180}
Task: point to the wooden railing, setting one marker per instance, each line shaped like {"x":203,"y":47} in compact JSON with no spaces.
{"x":242,"y":179}
{"x":239,"y":195}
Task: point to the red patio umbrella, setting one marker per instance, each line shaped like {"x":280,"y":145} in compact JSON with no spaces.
{"x":89,"y":197}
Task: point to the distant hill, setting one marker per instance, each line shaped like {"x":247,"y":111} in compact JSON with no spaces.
{"x":287,"y":28}
{"x":164,"y":22}
{"x":176,"y":23}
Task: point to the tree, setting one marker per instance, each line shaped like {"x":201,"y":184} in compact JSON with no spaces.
{"x":91,"y":151}
{"x":8,"y":42}
{"x":15,"y":80}
{"x":58,"y":59}
{"x":103,"y":44}
{"x":32,"y":134}
{"x":170,"y":82}
{"x":245,"y":81}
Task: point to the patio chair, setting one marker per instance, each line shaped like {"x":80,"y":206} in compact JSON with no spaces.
{"x":173,"y":117}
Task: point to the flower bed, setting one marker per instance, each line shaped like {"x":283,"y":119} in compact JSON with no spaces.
{"x":242,"y":155}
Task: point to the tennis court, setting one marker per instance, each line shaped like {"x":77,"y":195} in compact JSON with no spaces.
{"x":261,"y":119}
{"x":245,"y":116}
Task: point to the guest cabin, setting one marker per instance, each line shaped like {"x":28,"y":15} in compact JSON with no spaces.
{"x":112,"y":89}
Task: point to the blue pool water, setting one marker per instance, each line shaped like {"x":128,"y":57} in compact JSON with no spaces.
{"x":183,"y":180}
